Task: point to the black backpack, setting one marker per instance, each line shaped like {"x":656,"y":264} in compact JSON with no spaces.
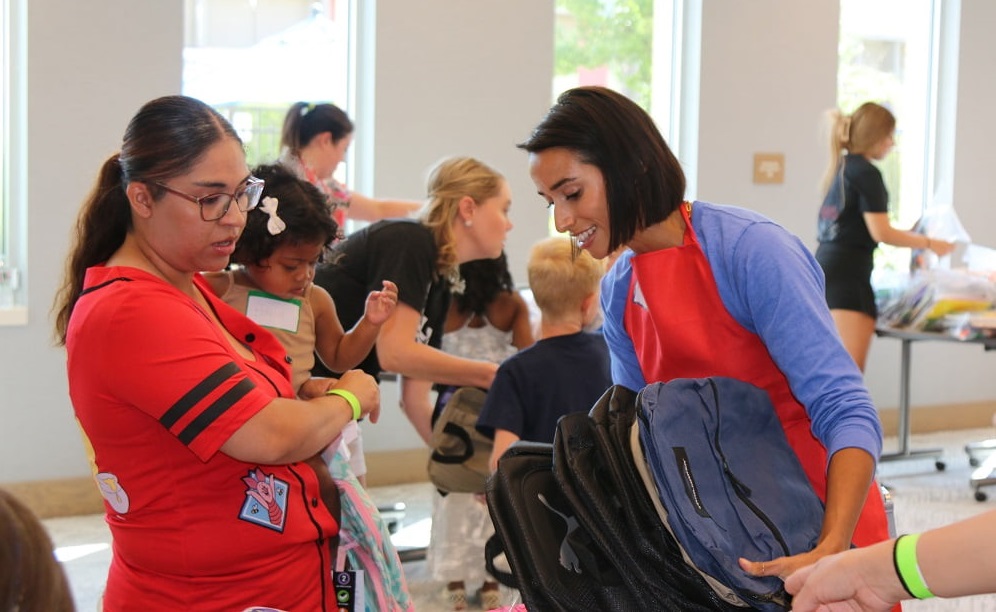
{"x":579,"y":529}
{"x":555,"y":564}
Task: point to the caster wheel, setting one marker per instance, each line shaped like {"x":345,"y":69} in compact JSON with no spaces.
{"x":940,"y":465}
{"x":972,"y":461}
{"x":980,"y":496}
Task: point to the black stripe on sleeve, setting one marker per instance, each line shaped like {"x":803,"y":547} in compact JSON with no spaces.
{"x":215,"y":410}
{"x":197,"y":394}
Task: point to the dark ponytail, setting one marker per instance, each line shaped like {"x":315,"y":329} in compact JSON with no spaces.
{"x":166,"y":138}
{"x":304,"y":121}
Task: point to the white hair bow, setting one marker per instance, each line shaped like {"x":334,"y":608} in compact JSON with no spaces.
{"x":274,"y":224}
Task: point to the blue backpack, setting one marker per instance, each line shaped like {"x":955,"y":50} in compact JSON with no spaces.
{"x":727,"y":481}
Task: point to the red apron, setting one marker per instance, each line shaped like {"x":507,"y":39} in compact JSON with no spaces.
{"x":686,"y":332}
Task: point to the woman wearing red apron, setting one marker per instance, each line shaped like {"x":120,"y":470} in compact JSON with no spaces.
{"x":707,"y":290}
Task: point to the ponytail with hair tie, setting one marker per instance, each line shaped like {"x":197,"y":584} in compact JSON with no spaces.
{"x":844,"y":133}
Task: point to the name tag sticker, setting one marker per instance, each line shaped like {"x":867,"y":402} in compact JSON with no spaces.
{"x":271,"y":311}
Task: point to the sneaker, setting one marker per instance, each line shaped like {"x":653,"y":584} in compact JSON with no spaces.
{"x":456,"y":598}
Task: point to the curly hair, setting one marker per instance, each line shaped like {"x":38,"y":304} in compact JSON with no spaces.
{"x":301,"y":206}
{"x":485,"y":280}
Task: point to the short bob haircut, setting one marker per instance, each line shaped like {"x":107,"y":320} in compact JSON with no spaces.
{"x":644,"y":182}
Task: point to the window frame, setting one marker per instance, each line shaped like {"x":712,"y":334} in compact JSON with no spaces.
{"x":13,"y":165}
{"x":933,"y":169}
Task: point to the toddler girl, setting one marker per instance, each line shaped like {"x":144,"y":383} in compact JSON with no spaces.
{"x":284,"y":239}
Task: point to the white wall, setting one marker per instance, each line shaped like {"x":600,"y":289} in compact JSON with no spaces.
{"x":769,"y":71}
{"x":90,"y":67}
{"x":458,"y":78}
{"x":975,"y":181}
{"x":463,"y":78}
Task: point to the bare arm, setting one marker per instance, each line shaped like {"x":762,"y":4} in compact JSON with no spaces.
{"x":848,"y":479}
{"x":503,"y":439}
{"x":954,"y":561}
{"x":400,"y":352}
{"x":522,"y":329}
{"x":882,"y":231}
{"x":416,"y":403}
{"x":340,"y":350}
{"x":289,"y":430}
{"x":363,"y":208}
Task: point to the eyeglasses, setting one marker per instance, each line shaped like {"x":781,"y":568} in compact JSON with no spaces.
{"x":214,"y":206}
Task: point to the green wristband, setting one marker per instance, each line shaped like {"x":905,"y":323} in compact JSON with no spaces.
{"x":904,"y":555}
{"x":350,"y":398}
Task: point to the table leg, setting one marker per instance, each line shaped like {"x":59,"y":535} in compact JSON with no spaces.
{"x":904,"y":433}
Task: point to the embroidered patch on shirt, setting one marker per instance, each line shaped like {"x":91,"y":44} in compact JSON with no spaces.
{"x":113,"y":492}
{"x":266,"y":500}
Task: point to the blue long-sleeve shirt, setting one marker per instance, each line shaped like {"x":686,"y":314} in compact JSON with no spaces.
{"x":770,"y":284}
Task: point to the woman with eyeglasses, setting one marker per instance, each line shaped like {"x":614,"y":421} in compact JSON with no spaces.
{"x":187,"y":409}
{"x":313,"y":142}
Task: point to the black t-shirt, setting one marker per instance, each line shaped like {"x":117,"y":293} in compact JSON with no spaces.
{"x":858,"y":190}
{"x":399,"y":250}
{"x":541,"y":383}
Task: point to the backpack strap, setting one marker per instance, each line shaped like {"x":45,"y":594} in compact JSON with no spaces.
{"x":493,"y":549}
{"x":468,"y":446}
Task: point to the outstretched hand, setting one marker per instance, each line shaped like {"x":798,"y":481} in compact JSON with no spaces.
{"x":381,"y":304}
{"x":859,"y":579}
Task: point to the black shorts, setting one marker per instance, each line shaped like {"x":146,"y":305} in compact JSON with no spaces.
{"x":848,"y":277}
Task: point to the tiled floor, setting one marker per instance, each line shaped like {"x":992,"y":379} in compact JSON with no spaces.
{"x":83,"y":545}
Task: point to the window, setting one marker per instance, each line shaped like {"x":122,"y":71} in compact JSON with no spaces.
{"x":13,"y":248}
{"x":4,"y":156}
{"x":888,"y":54}
{"x":252,"y":60}
{"x":631,"y":46}
{"x":605,"y":42}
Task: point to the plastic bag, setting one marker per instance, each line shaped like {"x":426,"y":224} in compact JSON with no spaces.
{"x":939,"y":221}
{"x":931,"y":295}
